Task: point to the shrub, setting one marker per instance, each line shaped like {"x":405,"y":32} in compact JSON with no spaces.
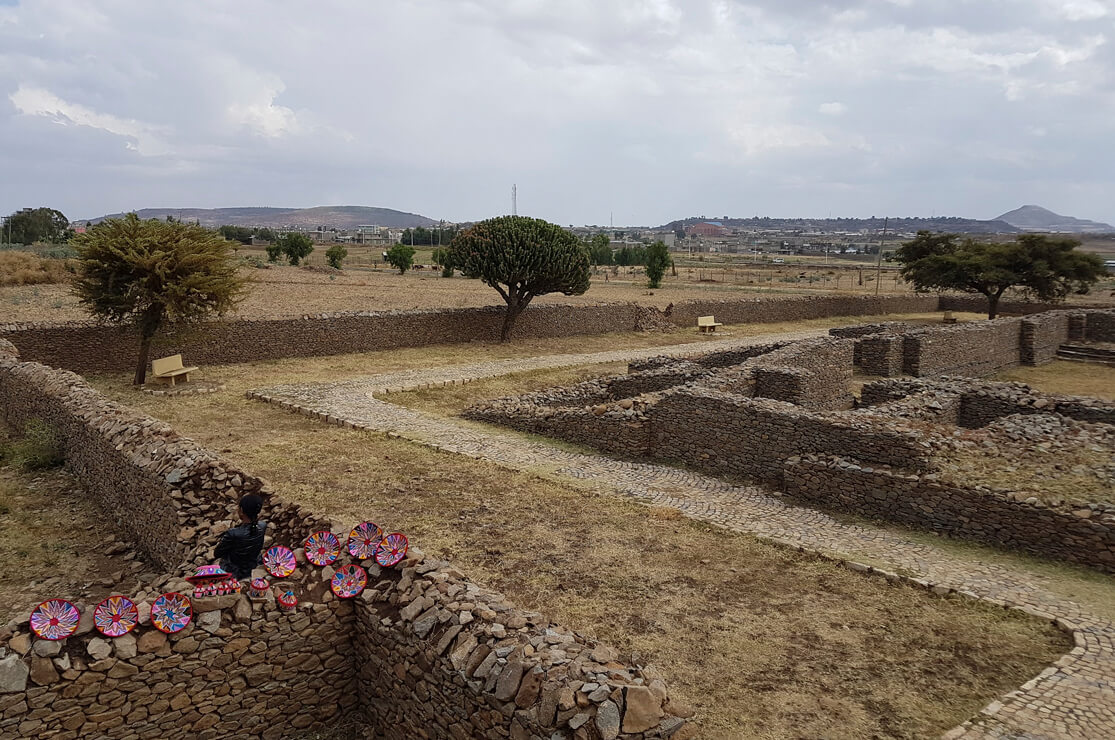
{"x":401,"y":257}
{"x":39,"y":448}
{"x":335,"y":255}
{"x":24,"y":268}
{"x":274,"y":251}
{"x":447,"y":270}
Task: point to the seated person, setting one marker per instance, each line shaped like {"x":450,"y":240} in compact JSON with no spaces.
{"x":240,"y":547}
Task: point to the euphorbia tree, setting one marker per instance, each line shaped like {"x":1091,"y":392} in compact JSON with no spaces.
{"x":522,"y":258}
{"x":152,"y":272}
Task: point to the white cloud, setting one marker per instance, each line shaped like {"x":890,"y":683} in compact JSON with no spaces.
{"x":140,"y":137}
{"x":832,"y":109}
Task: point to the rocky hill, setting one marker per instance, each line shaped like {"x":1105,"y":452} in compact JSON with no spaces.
{"x":339,"y":217}
{"x":857,"y":225}
{"x":1036,"y":218}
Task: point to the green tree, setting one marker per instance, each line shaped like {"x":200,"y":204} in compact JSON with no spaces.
{"x":401,"y":257}
{"x":296,"y":246}
{"x":522,"y":258}
{"x":240,"y":234}
{"x":658,"y":259}
{"x":152,"y":272}
{"x":1047,"y":268}
{"x":335,"y":255}
{"x":443,"y":258}
{"x":274,"y":251}
{"x":600,"y":250}
{"x":37,"y":225}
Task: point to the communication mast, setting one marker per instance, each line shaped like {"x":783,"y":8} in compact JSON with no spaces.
{"x":514,"y":200}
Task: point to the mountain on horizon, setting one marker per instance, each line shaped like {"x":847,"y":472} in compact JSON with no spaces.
{"x":896,"y":225}
{"x":1036,"y":218}
{"x":339,"y":217}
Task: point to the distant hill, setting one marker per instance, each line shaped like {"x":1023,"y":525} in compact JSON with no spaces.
{"x":895,"y":225}
{"x":1036,"y":218}
{"x":339,"y":217}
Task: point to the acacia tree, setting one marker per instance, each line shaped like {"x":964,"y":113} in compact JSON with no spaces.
{"x":522,"y":258}
{"x":296,"y":246}
{"x":1044,"y":267}
{"x":401,"y":257}
{"x":658,"y":259}
{"x":151,"y":273}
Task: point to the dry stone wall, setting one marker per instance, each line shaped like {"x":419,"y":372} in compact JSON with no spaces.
{"x":422,"y":652}
{"x":982,"y":514}
{"x":87,"y":347}
{"x":973,"y":349}
{"x":1100,"y":326}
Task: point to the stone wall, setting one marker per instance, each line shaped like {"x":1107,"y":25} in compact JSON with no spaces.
{"x":726,"y":434}
{"x":978,"y":304}
{"x":1100,"y":326}
{"x":813,"y":373}
{"x":973,"y":349}
{"x":1042,"y":334}
{"x":422,"y":648}
{"x":993,"y":517}
{"x":88,"y":347}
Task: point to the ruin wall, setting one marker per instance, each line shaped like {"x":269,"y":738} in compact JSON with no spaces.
{"x":422,"y":652}
{"x":973,"y":349}
{"x":1041,"y":335}
{"x":992,"y":517}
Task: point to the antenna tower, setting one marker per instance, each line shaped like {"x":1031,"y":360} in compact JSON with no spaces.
{"x":514,"y":200}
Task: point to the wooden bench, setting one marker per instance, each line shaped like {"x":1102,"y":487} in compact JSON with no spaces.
{"x":707,"y":323}
{"x":169,"y":368}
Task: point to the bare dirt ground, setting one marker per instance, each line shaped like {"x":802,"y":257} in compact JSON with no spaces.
{"x":761,"y":641}
{"x":54,"y":542}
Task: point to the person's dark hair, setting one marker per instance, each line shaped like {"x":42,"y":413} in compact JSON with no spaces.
{"x":251,"y":505}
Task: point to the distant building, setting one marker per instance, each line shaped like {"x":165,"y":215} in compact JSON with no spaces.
{"x":707,"y":228}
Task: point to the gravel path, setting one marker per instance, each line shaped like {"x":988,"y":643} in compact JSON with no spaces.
{"x":1074,"y":698}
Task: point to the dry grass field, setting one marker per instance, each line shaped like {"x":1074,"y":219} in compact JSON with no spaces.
{"x":1069,"y":378}
{"x":761,"y":641}
{"x":23,"y":268}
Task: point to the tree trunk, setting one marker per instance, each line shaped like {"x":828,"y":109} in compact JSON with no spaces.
{"x":993,"y":305}
{"x":144,"y":353}
{"x":515,"y":306}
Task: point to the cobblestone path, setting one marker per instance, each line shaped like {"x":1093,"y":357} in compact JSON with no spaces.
{"x":1073,"y":698}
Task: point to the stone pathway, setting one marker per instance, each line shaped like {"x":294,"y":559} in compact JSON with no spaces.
{"x":1074,"y":698}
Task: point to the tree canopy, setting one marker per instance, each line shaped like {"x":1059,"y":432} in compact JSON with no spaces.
{"x":658,"y":259}
{"x":335,"y":255}
{"x":600,"y":250}
{"x":1044,"y":267}
{"x":296,"y":246}
{"x":401,"y":257}
{"x":37,"y":225}
{"x":522,"y":258}
{"x":153,"y":272}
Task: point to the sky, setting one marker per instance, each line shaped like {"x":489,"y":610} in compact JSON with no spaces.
{"x":636,"y":112}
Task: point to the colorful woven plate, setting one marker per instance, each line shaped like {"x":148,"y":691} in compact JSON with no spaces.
{"x":392,"y":550}
{"x":55,"y":619}
{"x":287,"y":601}
{"x":171,"y":612}
{"x":205,"y":572}
{"x":364,"y":539}
{"x":115,"y":616}
{"x":322,"y":548}
{"x":279,"y":561}
{"x":349,"y":581}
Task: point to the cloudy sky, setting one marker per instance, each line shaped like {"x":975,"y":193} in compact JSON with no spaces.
{"x":646,"y":109}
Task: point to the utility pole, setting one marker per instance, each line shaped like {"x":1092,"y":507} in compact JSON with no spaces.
{"x":879,"y":262}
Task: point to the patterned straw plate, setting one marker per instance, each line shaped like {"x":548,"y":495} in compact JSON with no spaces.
{"x":349,"y":581}
{"x":279,"y":561}
{"x":55,"y":619}
{"x":392,"y":550}
{"x":364,"y":539}
{"x":115,"y":616}
{"x":171,"y":612}
{"x":322,"y":548}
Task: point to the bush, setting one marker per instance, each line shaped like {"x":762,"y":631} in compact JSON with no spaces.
{"x":447,"y":271}
{"x":335,"y":255}
{"x":24,"y":268}
{"x":274,"y":251}
{"x":401,"y":257}
{"x":39,"y":448}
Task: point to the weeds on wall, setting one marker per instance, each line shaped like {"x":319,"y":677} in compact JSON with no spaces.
{"x":38,"y":449}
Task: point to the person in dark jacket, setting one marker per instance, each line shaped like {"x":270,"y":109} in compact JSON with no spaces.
{"x":240,"y":547}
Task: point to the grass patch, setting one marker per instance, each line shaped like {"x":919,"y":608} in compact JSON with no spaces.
{"x":762,"y":641}
{"x":1068,"y":378}
{"x":37,"y":449}
{"x":24,"y":268}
